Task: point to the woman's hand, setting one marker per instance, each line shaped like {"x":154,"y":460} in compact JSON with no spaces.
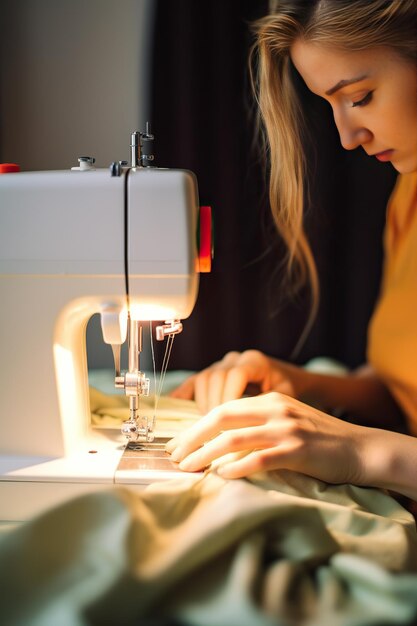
{"x":274,"y":431}
{"x":228,"y":379}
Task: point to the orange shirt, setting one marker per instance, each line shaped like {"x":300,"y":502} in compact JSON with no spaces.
{"x":392,"y":333}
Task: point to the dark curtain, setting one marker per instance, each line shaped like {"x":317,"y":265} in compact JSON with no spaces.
{"x":202,"y":114}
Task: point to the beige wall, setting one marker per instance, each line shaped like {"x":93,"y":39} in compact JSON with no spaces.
{"x":73,"y":80}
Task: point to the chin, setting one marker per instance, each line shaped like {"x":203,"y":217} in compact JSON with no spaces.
{"x":406,"y":166}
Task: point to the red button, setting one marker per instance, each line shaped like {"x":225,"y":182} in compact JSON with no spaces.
{"x":8,"y":168}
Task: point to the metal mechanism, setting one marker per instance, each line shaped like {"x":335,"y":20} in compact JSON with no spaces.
{"x":116,"y":167}
{"x":85,"y":164}
{"x":134,"y":382}
{"x":171,"y":327}
{"x":141,"y":146}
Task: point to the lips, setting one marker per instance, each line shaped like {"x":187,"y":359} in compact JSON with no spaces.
{"x":384,"y":156}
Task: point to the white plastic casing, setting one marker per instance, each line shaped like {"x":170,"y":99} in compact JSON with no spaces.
{"x":62,"y":260}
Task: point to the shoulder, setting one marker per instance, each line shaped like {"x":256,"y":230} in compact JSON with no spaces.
{"x":405,"y":188}
{"x":402,"y":205}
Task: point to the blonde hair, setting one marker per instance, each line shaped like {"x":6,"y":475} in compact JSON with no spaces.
{"x":350,"y":25}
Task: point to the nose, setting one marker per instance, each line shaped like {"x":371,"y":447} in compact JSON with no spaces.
{"x":352,"y":135}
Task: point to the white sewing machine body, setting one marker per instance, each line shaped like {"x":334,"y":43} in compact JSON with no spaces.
{"x":63,"y":253}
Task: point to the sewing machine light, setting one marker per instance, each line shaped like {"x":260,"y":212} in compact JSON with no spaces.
{"x":148,"y":311}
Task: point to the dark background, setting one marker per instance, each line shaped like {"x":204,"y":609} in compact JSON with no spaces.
{"x":202,"y":116}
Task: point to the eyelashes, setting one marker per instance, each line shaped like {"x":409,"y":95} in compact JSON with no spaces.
{"x":366,"y":100}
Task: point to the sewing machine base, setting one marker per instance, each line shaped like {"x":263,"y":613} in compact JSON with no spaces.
{"x":29,"y":485}
{"x":146,"y":457}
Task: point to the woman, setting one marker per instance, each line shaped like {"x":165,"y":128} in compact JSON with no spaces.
{"x":360,"y":56}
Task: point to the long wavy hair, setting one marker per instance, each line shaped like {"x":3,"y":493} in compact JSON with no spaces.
{"x":349,"y":25}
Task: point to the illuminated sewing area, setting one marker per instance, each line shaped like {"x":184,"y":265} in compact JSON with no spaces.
{"x":121,"y":243}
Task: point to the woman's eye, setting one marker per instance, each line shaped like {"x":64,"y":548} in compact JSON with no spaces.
{"x":364,"y":101}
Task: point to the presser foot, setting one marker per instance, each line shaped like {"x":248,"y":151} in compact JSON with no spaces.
{"x":158,"y":445}
{"x":138,"y":430}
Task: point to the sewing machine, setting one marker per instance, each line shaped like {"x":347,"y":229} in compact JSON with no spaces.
{"x":121,"y":243}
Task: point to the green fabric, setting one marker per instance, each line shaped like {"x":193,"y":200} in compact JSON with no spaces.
{"x":278,"y":549}
{"x":173,"y":414}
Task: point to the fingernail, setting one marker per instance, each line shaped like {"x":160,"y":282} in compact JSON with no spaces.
{"x":187,"y":465}
{"x":222,"y":471}
{"x":176,"y":455}
{"x":171,"y":445}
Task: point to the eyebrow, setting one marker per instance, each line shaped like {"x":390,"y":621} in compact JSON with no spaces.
{"x":344,"y":83}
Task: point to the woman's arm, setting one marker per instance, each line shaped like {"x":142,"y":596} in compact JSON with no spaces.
{"x":361,"y":394}
{"x":390,"y":461}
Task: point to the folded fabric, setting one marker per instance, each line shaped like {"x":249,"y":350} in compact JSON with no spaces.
{"x":280,"y":548}
{"x":109,"y":411}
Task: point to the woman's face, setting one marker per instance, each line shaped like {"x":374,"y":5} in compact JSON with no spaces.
{"x":373,"y":94}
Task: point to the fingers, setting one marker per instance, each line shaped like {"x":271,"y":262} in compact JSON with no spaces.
{"x":250,"y":425}
{"x":219,"y":385}
{"x":185,"y":390}
{"x":227,"y":379}
{"x":278,"y":457}
{"x":205,"y":388}
{"x":223,"y":381}
{"x":236,"y":414}
{"x":236,"y":382}
{"x":242,"y":439}
{"x":201,"y":390}
{"x":172,"y":444}
{"x":271,"y":431}
{"x":240,"y":469}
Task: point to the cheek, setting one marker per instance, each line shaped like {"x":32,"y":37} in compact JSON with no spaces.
{"x":404,"y":124}
{"x":403,"y":111}
{"x":412,"y":117}
{"x":393,"y":123}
